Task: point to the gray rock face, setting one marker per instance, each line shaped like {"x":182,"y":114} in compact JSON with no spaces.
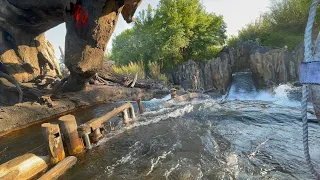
{"x":273,"y":67}
{"x":268,"y":66}
{"x":191,"y":78}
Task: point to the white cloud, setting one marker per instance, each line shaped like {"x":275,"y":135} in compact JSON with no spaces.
{"x":237,"y":13}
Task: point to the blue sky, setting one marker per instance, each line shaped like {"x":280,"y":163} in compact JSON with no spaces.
{"x":237,"y":13}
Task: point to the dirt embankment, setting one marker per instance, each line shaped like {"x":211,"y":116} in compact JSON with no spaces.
{"x":28,"y":113}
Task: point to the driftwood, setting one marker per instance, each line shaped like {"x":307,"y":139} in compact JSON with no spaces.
{"x":134,"y":82}
{"x":106,"y":72}
{"x":97,"y":80}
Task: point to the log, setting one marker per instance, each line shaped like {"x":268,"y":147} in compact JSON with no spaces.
{"x":59,"y":169}
{"x":107,"y":73}
{"x":69,"y":130}
{"x":134,"y":80}
{"x":55,"y":148}
{"x":98,"y":122}
{"x":23,"y":167}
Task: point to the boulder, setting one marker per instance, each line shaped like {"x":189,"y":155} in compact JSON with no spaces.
{"x":34,"y":57}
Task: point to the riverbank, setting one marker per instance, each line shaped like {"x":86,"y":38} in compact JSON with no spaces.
{"x":25,"y":114}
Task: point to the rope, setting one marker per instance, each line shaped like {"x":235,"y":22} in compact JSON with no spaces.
{"x":305,"y":89}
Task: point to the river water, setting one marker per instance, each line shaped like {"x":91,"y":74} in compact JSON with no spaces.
{"x":252,"y":135}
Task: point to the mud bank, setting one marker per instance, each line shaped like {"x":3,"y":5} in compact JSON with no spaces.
{"x":28,"y":113}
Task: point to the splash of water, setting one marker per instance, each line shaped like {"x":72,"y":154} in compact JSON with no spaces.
{"x":243,"y":88}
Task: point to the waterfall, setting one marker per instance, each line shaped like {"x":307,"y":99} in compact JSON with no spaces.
{"x":242,"y":86}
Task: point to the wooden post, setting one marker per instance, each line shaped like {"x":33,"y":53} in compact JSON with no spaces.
{"x":111,"y":127}
{"x":68,"y":126}
{"x":132,"y":113}
{"x":55,"y":146}
{"x":125,"y":116}
{"x":85,"y":131}
{"x":96,"y":135}
{"x":140,"y":106}
{"x":173,"y":93}
{"x":59,"y":169}
{"x":23,"y":167}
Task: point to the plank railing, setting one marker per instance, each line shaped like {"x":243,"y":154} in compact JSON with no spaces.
{"x":94,"y":126}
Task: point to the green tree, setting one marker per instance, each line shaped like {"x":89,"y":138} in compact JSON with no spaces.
{"x":283,"y":25}
{"x":174,"y":32}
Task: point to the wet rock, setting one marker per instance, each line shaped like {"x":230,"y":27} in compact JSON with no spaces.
{"x":188,"y":75}
{"x":273,"y":67}
{"x":214,"y":74}
{"x":218,"y":72}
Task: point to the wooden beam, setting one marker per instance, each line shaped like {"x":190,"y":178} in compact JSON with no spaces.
{"x":26,"y":166}
{"x":97,"y":122}
{"x":59,"y":169}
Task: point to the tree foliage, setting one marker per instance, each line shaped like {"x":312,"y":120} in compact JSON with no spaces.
{"x":283,"y":25}
{"x":174,"y":32}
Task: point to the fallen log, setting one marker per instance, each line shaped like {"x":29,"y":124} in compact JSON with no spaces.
{"x":59,"y":169}
{"x":106,"y":72}
{"x":23,"y":167}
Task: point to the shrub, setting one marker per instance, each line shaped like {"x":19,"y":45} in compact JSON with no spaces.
{"x":131,"y":69}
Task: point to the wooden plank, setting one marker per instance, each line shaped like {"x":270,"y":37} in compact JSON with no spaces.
{"x":59,"y":169}
{"x":97,"y":122}
{"x":26,"y":166}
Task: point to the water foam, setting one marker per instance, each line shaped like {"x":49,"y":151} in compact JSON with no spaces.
{"x":156,"y":161}
{"x":242,"y":88}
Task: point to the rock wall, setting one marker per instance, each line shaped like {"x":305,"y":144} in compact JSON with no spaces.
{"x":268,"y":66}
{"x":273,"y":67}
{"x":27,"y":57}
{"x":26,"y":53}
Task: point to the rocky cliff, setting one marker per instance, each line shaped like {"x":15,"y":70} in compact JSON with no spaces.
{"x":268,"y":66}
{"x":27,"y":54}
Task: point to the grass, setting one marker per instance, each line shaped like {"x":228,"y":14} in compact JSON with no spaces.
{"x":133,"y":67}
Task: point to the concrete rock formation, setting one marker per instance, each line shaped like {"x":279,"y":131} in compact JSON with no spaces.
{"x":268,"y":66}
{"x":27,"y":54}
